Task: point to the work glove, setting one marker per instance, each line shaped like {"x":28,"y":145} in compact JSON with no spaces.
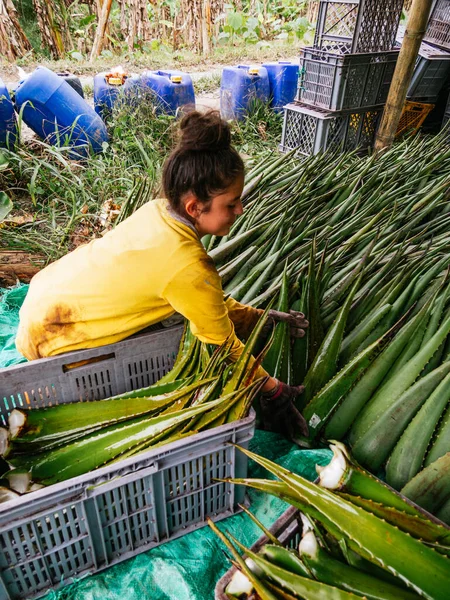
{"x":295,"y":319}
{"x":278,"y":412}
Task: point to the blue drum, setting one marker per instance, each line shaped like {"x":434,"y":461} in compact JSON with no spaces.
{"x":239,"y":87}
{"x":173,"y":89}
{"x":58,"y":114}
{"x":283,"y":82}
{"x":8,"y":124}
{"x":108,"y":90}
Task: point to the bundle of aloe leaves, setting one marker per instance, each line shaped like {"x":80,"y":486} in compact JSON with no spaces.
{"x":365,"y":244}
{"x":359,"y":539}
{"x":202,"y":391}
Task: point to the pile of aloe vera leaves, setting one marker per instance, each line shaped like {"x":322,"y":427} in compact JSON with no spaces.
{"x":359,"y":539}
{"x":365,"y":244}
{"x":49,"y":445}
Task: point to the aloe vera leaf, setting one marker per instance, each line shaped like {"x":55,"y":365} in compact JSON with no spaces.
{"x":300,"y":346}
{"x":377,"y":444}
{"x":228,"y":271}
{"x":379,"y":542}
{"x":352,"y":342}
{"x":324,"y":365}
{"x":262,"y":279}
{"x":364,"y":389}
{"x":319,"y":409}
{"x":274,"y":358}
{"x":411,"y":349}
{"x":443,"y":512}
{"x":315,"y":333}
{"x":183,"y":364}
{"x":440,"y":445}
{"x":156,"y":389}
{"x":95,"y":449}
{"x":263,"y":592}
{"x":342,"y":286}
{"x":344,"y":474}
{"x":225,"y":250}
{"x":328,"y":570}
{"x":285,"y":559}
{"x":418,"y":527}
{"x":408,"y":455}
{"x":250,"y":270}
{"x":240,"y":367}
{"x":430,"y":488}
{"x":48,"y":424}
{"x":240,"y":408}
{"x":293,"y":583}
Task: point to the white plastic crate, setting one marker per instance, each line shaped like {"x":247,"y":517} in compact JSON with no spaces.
{"x":438,"y":29}
{"x":313,"y":131}
{"x":353,"y":26}
{"x":96,"y":520}
{"x":339,"y":82}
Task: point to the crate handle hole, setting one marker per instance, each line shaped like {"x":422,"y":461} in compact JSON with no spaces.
{"x":90,"y":361}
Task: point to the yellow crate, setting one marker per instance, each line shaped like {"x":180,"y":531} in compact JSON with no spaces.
{"x":413,"y":115}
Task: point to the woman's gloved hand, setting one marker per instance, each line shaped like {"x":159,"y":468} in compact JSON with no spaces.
{"x":279,"y":413}
{"x":296,"y":321}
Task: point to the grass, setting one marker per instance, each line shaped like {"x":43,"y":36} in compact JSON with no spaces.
{"x":71,"y":202}
{"x":207,"y":83}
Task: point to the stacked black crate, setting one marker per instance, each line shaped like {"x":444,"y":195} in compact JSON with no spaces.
{"x":427,"y":88}
{"x":344,"y":78}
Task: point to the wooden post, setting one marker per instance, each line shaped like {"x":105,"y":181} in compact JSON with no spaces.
{"x":415,"y":30}
{"x":101,"y":28}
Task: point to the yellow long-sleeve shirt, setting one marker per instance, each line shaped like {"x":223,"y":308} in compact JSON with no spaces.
{"x":143,"y":271}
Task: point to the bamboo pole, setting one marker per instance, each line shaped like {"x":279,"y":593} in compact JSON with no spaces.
{"x":101,"y":28}
{"x":415,"y":30}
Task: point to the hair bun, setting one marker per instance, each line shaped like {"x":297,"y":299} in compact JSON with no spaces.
{"x":204,"y":132}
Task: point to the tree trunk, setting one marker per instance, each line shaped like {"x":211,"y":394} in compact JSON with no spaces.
{"x":16,"y":265}
{"x":101,"y":28}
{"x":13,"y":41}
{"x":53,"y":24}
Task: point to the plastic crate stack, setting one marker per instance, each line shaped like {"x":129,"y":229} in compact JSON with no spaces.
{"x":430,"y":75}
{"x":344,"y":78}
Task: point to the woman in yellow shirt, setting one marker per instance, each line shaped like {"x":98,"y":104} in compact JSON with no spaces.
{"x":154,"y":264}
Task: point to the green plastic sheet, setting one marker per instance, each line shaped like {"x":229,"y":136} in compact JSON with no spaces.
{"x":189,"y":567}
{"x":10,"y":302}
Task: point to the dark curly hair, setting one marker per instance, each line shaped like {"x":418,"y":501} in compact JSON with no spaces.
{"x":204,"y":162}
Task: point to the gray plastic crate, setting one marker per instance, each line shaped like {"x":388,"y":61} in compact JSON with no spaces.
{"x":91,"y":522}
{"x":340,"y":82}
{"x":287,"y":529}
{"x":430,"y":73}
{"x":349,"y":26}
{"x":438,"y":29}
{"x":313,"y":131}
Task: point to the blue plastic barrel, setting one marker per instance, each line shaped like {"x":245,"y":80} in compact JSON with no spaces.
{"x":173,"y":89}
{"x":8,"y":124}
{"x":283,"y":81}
{"x":54,"y":110}
{"x":239,"y":87}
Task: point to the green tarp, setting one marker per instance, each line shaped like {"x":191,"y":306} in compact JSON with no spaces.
{"x":10,"y":302}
